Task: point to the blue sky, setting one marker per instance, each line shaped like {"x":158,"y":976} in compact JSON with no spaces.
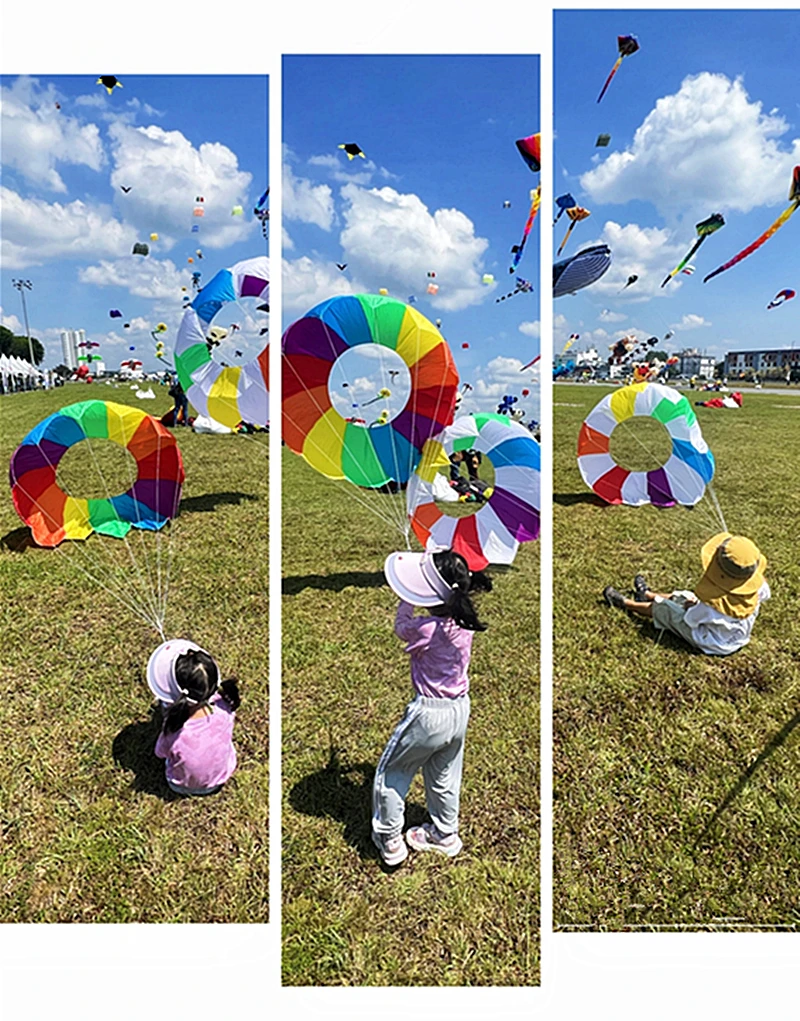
{"x":67,"y":147}
{"x":438,"y":133}
{"x":704,"y":118}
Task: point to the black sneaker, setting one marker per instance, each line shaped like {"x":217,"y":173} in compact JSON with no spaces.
{"x":613,"y":597}
{"x":640,"y":588}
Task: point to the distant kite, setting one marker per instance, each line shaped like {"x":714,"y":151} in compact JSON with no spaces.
{"x":115,"y":313}
{"x":140,"y":249}
{"x":531,"y":363}
{"x":352,"y":150}
{"x":506,"y":204}
{"x":564,"y":202}
{"x":517,"y":250}
{"x":109,"y":82}
{"x":341,"y":266}
{"x":781,"y":297}
{"x":631,"y":280}
{"x":576,"y":214}
{"x":627,"y":45}
{"x":794,"y":199}
{"x":126,"y":190}
{"x":602,"y":141}
{"x":523,"y":287}
{"x":530,"y":151}
{"x":704,"y":228}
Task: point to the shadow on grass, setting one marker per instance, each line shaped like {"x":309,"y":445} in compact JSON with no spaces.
{"x":769,"y":749}
{"x":133,"y":749}
{"x":333,"y":582}
{"x":210,"y":501}
{"x":658,"y":636}
{"x":343,"y":792}
{"x":570,"y":499}
{"x":19,"y":540}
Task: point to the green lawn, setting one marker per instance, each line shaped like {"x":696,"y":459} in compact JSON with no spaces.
{"x":347,"y":921}
{"x":90,"y":831}
{"x":675,"y":774}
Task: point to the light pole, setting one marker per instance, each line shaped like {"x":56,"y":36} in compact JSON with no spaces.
{"x":22,"y":286}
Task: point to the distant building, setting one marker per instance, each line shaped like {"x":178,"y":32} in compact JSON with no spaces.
{"x":70,"y":341}
{"x":693,"y":363}
{"x":770,"y":360}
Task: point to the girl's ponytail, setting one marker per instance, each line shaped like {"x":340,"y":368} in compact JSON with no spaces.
{"x":454,"y":570}
{"x":198,"y":679}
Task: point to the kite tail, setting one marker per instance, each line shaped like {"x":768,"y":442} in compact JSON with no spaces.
{"x":537,"y":197}
{"x":566,"y":237}
{"x":756,"y":244}
{"x":683,"y":262}
{"x":608,"y":80}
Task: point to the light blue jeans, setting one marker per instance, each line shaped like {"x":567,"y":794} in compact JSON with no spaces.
{"x":429,"y":737}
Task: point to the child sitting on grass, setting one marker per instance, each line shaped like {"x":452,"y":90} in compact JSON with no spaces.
{"x":430,"y":736}
{"x":197,"y":735}
{"x":718,"y":617}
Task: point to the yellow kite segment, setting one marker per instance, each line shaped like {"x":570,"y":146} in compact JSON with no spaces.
{"x":622,"y":401}
{"x":76,"y":518}
{"x":122,"y":423}
{"x":433,"y":458}
{"x":223,"y":397}
{"x":324,"y":444}
{"x":417,"y":337}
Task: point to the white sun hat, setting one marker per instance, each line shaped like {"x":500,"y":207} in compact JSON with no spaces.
{"x":415,"y":578}
{"x":161,"y":668}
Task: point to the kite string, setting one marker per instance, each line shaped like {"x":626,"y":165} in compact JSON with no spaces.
{"x":84,"y":550}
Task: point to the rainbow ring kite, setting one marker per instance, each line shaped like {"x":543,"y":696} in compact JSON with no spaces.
{"x":313,"y":428}
{"x":510,"y":515}
{"x":232,"y":394}
{"x":54,"y":516}
{"x":682,"y":479}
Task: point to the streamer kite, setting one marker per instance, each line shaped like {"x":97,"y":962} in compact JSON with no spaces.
{"x":705,"y":228}
{"x":564,"y":202}
{"x":794,"y":199}
{"x":517,"y":250}
{"x":576,"y":214}
{"x":627,"y":45}
{"x":53,"y":516}
{"x":781,"y":297}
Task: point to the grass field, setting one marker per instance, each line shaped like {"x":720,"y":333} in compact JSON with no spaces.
{"x":90,"y":831}
{"x":473,"y":920}
{"x":675,"y":774}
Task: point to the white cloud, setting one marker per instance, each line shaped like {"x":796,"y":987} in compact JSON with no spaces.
{"x":649,"y":252}
{"x":34,"y":231}
{"x":11,"y":322}
{"x":36,"y":135}
{"x":531,"y":329}
{"x":559,"y":320}
{"x":358,"y":172}
{"x":165,"y":173}
{"x":690,"y":322}
{"x":393,"y":241}
{"x":502,"y":376}
{"x":307,"y":202}
{"x":607,"y":316}
{"x":142,"y":277}
{"x":708,"y":147}
{"x":306,"y":283}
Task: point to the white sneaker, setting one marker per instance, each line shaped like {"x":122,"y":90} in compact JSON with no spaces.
{"x":427,"y":838}
{"x":392,"y":849}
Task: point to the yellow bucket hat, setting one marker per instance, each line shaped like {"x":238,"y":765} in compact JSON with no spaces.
{"x":733,"y":573}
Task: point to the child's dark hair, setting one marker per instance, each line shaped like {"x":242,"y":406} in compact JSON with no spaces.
{"x":453,"y":568}
{"x":198,"y":679}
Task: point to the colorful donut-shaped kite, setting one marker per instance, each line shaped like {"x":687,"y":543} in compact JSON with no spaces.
{"x":682,"y":479}
{"x":510,"y":515}
{"x":53,"y":515}
{"x":228,"y":394}
{"x":313,"y":428}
